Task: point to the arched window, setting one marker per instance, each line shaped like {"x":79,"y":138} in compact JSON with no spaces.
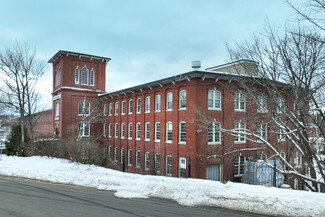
{"x":57,"y":77}
{"x":92,"y":77}
{"x":76,"y":76}
{"x":84,"y":76}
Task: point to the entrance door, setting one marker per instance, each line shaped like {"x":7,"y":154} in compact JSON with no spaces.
{"x":213,"y":172}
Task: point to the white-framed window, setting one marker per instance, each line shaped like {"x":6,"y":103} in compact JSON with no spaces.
{"x":147,"y":106}
{"x":57,"y":77}
{"x":122,"y":130}
{"x":84,"y":129}
{"x":147,"y":160}
{"x":182,"y":167}
{"x":281,"y":135}
{"x":122,"y":156}
{"x":116,"y":130}
{"x":262,"y":130}
{"x":147,"y":131}
{"x":130,"y":106}
{"x":104,"y":109}
{"x":240,"y":102}
{"x":298,"y":159}
{"x":214,"y":133}
{"x":57,"y":109}
{"x":84,"y":76}
{"x":157,"y":103}
{"x":83,"y":108}
{"x":92,"y":77}
{"x":279,"y":105}
{"x":214,"y":100}
{"x":261,"y":104}
{"x":76,"y":75}
{"x":239,"y":165}
{"x":130,"y":131}
{"x":157,"y":132}
{"x":109,"y":152}
{"x":110,"y":109}
{"x":169,"y":101}
{"x":115,"y":154}
{"x":169,"y":132}
{"x":157,"y":163}
{"x":138,"y":131}
{"x":137,"y":158}
{"x":182,"y":99}
{"x":116,"y":108}
{"x":182,"y":132}
{"x":104,"y":129}
{"x":169,"y":165}
{"x":240,"y":128}
{"x":123,"y":107}
{"x":110,"y":130}
{"x":130,"y":157}
{"x":138,"y":105}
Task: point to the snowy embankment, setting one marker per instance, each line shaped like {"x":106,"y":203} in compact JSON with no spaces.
{"x":190,"y":192}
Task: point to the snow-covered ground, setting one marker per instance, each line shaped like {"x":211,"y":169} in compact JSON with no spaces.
{"x":189,"y":192}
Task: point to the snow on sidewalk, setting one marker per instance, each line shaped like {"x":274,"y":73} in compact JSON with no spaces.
{"x":189,"y":192}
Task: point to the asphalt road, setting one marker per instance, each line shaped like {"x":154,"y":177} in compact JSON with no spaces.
{"x":22,"y":197}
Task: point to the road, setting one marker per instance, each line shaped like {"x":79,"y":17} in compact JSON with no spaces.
{"x":23,"y":197}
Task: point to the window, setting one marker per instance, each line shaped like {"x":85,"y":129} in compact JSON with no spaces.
{"x":76,"y":76}
{"x":281,"y":135}
{"x":110,"y":130}
{"x":92,"y":77}
{"x":182,"y":99}
{"x":137,"y":157}
{"x":157,"y":103}
{"x":57,"y":77}
{"x":239,"y":102}
{"x":84,"y":130}
{"x":239,"y":166}
{"x":262,"y":130}
{"x":147,"y":131}
{"x":110,"y":152}
{"x":261,"y":104}
{"x":214,"y":133}
{"x":116,"y":130}
{"x":182,"y":167}
{"x":130,"y":106}
{"x":279,"y":105}
{"x":169,"y":132}
{"x":122,"y":130}
{"x":115,"y":154}
{"x":214,"y":99}
{"x":138,"y":131}
{"x":84,"y":76}
{"x":169,"y":101}
{"x":169,"y":165}
{"x":83,"y":108}
{"x":138,"y":105}
{"x":57,"y":109}
{"x":182,"y":132}
{"x":146,"y":161}
{"x":104,"y":130}
{"x":130,"y":131}
{"x":116,"y":108}
{"x":122,"y":156}
{"x":123,"y":107}
{"x":298,"y":159}
{"x":157,"y":132}
{"x":147,"y":107}
{"x":283,"y":154}
{"x":110,"y":109}
{"x":130,"y":157}
{"x":240,"y":128}
{"x":104,"y":109}
{"x":157,"y":163}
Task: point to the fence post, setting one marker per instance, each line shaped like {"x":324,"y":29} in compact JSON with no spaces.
{"x":189,"y":167}
{"x":274,"y":173}
{"x":123,"y":163}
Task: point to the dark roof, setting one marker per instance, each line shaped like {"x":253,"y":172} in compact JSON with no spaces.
{"x":69,"y":53}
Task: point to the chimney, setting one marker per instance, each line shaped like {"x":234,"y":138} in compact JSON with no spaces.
{"x":196,"y":64}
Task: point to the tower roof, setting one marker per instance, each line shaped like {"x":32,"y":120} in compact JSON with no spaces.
{"x":69,"y":53}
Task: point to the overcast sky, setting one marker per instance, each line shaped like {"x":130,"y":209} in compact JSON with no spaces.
{"x":146,"y":39}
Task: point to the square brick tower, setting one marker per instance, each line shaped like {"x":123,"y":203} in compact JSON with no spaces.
{"x":77,"y":80}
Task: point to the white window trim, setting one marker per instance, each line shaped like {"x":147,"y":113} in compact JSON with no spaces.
{"x":110,"y":109}
{"x":137,"y":155}
{"x":169,"y":141}
{"x":115,"y":154}
{"x":130,"y":111}
{"x":157,"y":140}
{"x":116,"y":130}
{"x":145,"y":131}
{"x":138,"y":129}
{"x":240,"y":94}
{"x":157,"y":110}
{"x":122,"y":130}
{"x":116,"y":108}
{"x":147,"y":105}
{"x":129,"y":158}
{"x":179,"y":133}
{"x":169,"y":109}
{"x":104,"y":129}
{"x":179,"y":100}
{"x":147,"y":161}
{"x":110,"y":130}
{"x":138,"y":111}
{"x":260,"y":107}
{"x":122,"y":153}
{"x":130,"y":134}
{"x":123,"y":106}
{"x":92,"y":73}
{"x":180,"y":166}
{"x":260,"y":130}
{"x":169,"y":174}
{"x":77,"y":75}
{"x":87,"y":71}
{"x":213,"y":133}
{"x":238,"y":174}
{"x":239,"y":132}
{"x":84,"y":103}
{"x":213,"y":100}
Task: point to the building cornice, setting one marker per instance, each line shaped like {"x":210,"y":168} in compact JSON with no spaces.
{"x":80,"y":55}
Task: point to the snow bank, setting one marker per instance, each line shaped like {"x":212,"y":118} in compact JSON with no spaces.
{"x":189,"y":192}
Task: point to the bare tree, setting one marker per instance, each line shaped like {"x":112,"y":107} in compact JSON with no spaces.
{"x":20,"y":70}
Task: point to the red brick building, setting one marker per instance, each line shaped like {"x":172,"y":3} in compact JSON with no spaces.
{"x":167,"y":127}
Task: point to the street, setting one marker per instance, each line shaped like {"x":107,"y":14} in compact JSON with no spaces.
{"x":23,"y":197}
